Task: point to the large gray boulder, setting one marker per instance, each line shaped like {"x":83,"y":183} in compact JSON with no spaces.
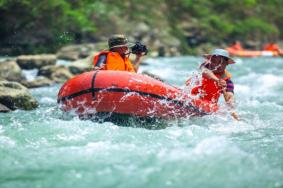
{"x":40,"y":81}
{"x":36,"y":61}
{"x":57,"y":73}
{"x":10,"y":70}
{"x":81,"y":66}
{"x":15,"y":96}
{"x":75,"y":52}
{"x":4,"y":108}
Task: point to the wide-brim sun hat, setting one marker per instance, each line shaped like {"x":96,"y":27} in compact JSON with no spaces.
{"x":119,"y":40}
{"x":221,"y":52}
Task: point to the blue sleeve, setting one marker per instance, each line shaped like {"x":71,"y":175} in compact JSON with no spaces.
{"x":101,"y":61}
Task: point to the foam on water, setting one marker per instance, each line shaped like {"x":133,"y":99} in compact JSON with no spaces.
{"x":42,"y":148}
{"x":30,"y":74}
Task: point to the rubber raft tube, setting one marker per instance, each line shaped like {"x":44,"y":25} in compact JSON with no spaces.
{"x":124,"y":93}
{"x":252,"y":53}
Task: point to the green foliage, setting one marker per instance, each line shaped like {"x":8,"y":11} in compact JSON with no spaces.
{"x":216,"y":28}
{"x":45,"y":24}
{"x":254,"y":28}
{"x":29,"y":26}
{"x":222,"y":20}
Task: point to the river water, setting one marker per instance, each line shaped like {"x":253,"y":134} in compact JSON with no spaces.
{"x":41,"y":149}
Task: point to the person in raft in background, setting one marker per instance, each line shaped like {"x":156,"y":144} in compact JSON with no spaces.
{"x":273,"y":48}
{"x":117,"y":57}
{"x":236,"y":45}
{"x":216,"y":80}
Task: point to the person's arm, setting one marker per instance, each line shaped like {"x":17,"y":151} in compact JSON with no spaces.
{"x":228,"y":93}
{"x":137,"y":62}
{"x":208,"y":73}
{"x":229,"y":99}
{"x":101,"y":62}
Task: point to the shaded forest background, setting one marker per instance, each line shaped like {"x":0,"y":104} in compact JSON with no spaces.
{"x":32,"y":26}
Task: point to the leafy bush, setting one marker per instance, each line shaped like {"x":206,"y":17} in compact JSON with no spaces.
{"x":32,"y":26}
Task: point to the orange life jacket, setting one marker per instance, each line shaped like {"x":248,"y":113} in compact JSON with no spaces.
{"x":271,"y":47}
{"x":209,"y":89}
{"x":114,"y":62}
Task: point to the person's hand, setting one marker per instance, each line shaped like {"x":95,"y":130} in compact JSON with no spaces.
{"x":139,"y":55}
{"x":235,"y":116}
{"x":221,"y":83}
{"x":98,"y":68}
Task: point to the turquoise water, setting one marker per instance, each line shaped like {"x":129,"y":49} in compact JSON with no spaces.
{"x":41,"y":149}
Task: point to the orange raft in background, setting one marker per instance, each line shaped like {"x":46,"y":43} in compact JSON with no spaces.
{"x":125,"y":93}
{"x":253,"y":53}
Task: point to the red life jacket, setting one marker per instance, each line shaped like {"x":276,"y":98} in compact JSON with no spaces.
{"x":209,"y":89}
{"x":114,"y":62}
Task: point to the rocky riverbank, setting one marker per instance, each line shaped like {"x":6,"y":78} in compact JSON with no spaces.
{"x":14,"y":86}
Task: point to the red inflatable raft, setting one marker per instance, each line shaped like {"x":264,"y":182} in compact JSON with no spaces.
{"x":125,"y":93}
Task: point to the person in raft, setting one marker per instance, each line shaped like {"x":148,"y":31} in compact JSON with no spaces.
{"x":117,"y":57}
{"x":216,"y":80}
{"x":236,"y":45}
{"x":273,"y":48}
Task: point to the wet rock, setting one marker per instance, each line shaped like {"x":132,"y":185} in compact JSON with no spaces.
{"x":40,"y":81}
{"x":161,"y":51}
{"x":15,"y":96}
{"x":204,"y":49}
{"x":141,"y":30}
{"x":145,"y":63}
{"x":153,"y":53}
{"x":75,"y":52}
{"x":173,"y":51}
{"x":4,"y":108}
{"x":169,"y":47}
{"x":164,"y":46}
{"x":153,"y":76}
{"x":57,"y":73}
{"x":10,"y":70}
{"x":192,"y":33}
{"x":36,"y":61}
{"x":250,"y":44}
{"x":81,"y":66}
